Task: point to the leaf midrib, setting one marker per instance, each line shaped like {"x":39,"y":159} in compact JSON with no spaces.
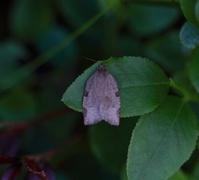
{"x":145,"y":85}
{"x":163,"y":139}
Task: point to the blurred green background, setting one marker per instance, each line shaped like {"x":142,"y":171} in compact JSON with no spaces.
{"x":42,"y":49}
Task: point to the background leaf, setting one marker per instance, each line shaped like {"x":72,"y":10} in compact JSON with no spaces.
{"x":189,"y":35}
{"x":162,"y":141}
{"x":144,"y":19}
{"x":111,"y":146}
{"x":166,"y":51}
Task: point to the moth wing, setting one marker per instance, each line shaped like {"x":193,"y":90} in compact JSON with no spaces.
{"x":90,"y":111}
{"x":112,"y":113}
{"x":91,"y":116}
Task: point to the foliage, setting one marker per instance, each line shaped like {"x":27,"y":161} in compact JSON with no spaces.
{"x":151,"y":47}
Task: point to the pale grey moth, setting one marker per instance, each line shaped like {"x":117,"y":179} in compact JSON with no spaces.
{"x":101,"y":99}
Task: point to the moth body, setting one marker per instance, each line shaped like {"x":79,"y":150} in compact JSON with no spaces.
{"x":101,"y":99}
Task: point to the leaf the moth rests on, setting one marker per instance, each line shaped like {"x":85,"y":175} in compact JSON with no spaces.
{"x":74,"y":94}
{"x":142,"y":85}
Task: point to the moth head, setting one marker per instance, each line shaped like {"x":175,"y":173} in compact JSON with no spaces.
{"x":102,"y":68}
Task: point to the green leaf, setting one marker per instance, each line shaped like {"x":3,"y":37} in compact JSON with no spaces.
{"x":193,"y":69}
{"x":31,"y":18}
{"x":142,"y":84}
{"x":188,"y":8}
{"x":167,"y":51}
{"x":144,"y":20}
{"x":110,"y":144}
{"x":74,"y":94}
{"x":162,"y":141}
{"x":189,"y":35}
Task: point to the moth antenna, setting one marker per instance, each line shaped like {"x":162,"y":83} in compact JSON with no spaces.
{"x":90,"y":59}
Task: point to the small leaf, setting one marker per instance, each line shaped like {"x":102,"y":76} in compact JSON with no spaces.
{"x":162,"y":141}
{"x":189,"y":35}
{"x":142,"y":84}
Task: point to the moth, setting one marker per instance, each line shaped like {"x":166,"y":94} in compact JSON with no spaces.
{"x":101,"y":100}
